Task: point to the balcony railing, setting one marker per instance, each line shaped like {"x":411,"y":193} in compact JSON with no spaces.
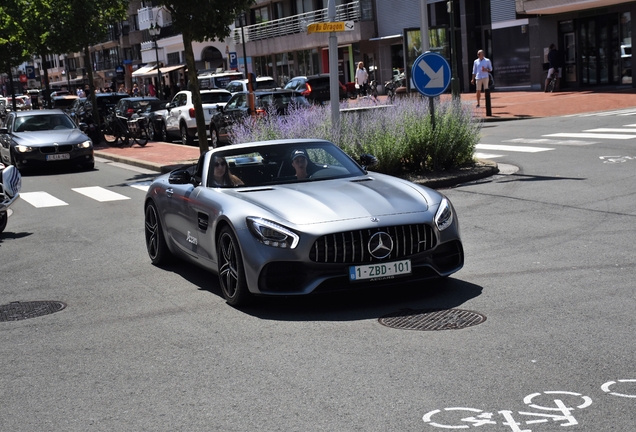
{"x":151,"y":15}
{"x":296,"y":23}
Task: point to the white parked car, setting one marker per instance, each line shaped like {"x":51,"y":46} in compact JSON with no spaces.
{"x":262,"y":83}
{"x":180,"y":119}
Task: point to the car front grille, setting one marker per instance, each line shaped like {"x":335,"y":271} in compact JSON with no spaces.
{"x":353,"y":246}
{"x":66,"y":148}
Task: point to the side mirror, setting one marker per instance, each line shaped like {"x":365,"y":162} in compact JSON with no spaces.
{"x":3,"y":130}
{"x":180,"y":176}
{"x":83,"y":127}
{"x":367,"y":160}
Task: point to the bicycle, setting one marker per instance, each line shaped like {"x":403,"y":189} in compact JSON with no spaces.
{"x":389,"y":88}
{"x":552,"y":81}
{"x":129,"y":131}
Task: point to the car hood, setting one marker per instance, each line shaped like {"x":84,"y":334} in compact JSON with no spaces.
{"x":336,"y":200}
{"x":43,"y":138}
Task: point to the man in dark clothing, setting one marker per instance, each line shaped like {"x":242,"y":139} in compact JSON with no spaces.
{"x":554,"y":58}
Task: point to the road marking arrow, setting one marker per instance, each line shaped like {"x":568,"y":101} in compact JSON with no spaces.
{"x":437,"y":78}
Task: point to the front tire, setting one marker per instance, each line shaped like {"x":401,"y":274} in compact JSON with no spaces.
{"x":164,"y":133}
{"x":231,"y":270}
{"x":155,"y":241}
{"x":142,"y":138}
{"x":214,"y":137}
{"x":151,"y":131}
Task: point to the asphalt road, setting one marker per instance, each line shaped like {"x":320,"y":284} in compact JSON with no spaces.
{"x":548,"y":263}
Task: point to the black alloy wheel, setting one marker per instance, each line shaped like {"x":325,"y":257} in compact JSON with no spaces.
{"x":155,"y":241}
{"x":231,"y":270}
{"x":151,"y":131}
{"x":164,"y":133}
{"x":186,"y":139}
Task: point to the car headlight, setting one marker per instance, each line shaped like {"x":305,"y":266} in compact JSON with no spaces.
{"x":23,"y":148}
{"x":84,"y":145}
{"x":271,"y":234}
{"x":444,"y":215}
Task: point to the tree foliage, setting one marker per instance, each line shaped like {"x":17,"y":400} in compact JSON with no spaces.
{"x":197,"y":21}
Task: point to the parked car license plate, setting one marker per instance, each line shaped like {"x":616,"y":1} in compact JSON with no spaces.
{"x":379,"y":270}
{"x":60,"y":156}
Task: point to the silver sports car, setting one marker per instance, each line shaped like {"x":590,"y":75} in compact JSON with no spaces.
{"x":291,"y":217}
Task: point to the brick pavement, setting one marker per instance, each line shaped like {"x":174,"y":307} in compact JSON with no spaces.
{"x":160,"y":156}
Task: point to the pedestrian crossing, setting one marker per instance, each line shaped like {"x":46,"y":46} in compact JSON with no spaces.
{"x":546,"y":142}
{"x":620,"y":113}
{"x":41,"y":199}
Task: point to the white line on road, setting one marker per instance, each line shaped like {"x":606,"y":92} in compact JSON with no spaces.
{"x":611,"y":130}
{"x":41,"y":199}
{"x":591,"y":135}
{"x":144,"y":185}
{"x":548,"y":141}
{"x":487,"y":156}
{"x":100,"y":194}
{"x":522,"y":149}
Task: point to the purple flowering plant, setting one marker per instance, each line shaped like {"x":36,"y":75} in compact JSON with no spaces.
{"x":401,"y":136}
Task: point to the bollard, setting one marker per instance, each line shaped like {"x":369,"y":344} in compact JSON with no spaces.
{"x":488,"y":107}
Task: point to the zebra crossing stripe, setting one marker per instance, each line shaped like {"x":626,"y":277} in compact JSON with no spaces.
{"x":619,"y":130}
{"x":591,"y":135}
{"x":547,"y":141}
{"x":41,"y":199}
{"x":143,"y":186}
{"x":100,"y":194}
{"x":486,"y":155}
{"x":509,"y":148}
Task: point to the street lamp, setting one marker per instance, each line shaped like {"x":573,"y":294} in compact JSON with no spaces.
{"x":154,"y":31}
{"x":454,"y":80}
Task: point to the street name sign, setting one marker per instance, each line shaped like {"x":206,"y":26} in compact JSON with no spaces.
{"x":431,"y":74}
{"x":328,"y":27}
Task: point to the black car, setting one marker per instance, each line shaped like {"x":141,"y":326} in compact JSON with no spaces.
{"x":154,"y":111}
{"x":44,"y":138}
{"x":129,"y":105}
{"x":266,"y":102}
{"x":315,"y":88}
{"x":63,"y":102}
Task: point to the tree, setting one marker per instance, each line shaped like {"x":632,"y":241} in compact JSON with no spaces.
{"x":12,"y":50}
{"x":197,"y":21}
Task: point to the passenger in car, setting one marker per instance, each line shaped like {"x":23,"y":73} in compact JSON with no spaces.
{"x":221,"y":174}
{"x":299,"y":162}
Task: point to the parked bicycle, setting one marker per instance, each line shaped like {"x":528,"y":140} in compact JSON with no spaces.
{"x":119,"y":129}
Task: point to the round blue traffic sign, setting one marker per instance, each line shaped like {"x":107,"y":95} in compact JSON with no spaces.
{"x":431,"y":74}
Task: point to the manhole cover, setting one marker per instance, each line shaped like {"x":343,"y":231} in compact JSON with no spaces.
{"x":24,"y":310}
{"x":432,"y":319}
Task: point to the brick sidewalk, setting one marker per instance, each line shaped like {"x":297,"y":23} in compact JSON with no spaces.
{"x":162,"y":157}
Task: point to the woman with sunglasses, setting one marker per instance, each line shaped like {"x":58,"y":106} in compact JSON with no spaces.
{"x":222,"y":175}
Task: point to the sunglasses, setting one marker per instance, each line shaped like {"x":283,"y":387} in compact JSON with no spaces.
{"x":218,"y":164}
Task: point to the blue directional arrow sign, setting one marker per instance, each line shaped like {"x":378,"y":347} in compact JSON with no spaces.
{"x":431,"y":74}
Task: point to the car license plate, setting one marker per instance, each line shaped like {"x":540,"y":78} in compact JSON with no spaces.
{"x":380,"y":270}
{"x":60,"y":156}
{"x":211,"y":111}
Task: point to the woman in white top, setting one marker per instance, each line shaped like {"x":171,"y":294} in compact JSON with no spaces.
{"x":361,"y":78}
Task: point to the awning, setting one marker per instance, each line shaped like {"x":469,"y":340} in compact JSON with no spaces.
{"x":143,"y":71}
{"x":165,"y":70}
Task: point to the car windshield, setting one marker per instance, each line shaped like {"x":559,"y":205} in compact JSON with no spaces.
{"x":37,"y":123}
{"x":211,"y":98}
{"x":267,"y":165}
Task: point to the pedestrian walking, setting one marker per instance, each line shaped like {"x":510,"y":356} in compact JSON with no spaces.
{"x":481,"y":70}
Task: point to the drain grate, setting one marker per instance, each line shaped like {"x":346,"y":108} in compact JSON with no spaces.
{"x":432,"y":319}
{"x":24,"y":310}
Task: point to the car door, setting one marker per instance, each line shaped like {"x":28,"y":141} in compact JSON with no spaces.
{"x":5,"y":140}
{"x":231,"y":111}
{"x":172,"y":116}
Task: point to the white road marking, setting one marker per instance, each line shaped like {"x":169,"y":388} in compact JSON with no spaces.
{"x":623,"y":112}
{"x":487,"y":155}
{"x":591,"y":135}
{"x":509,"y":148}
{"x":611,"y":130}
{"x":144,"y":185}
{"x":41,"y":199}
{"x":547,"y":141}
{"x":100,"y":194}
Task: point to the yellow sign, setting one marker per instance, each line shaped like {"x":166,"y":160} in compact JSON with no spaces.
{"x":328,"y":27}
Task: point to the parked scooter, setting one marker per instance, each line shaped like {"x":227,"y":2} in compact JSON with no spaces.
{"x":10,"y":185}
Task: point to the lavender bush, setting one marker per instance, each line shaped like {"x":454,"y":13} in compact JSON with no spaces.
{"x":401,"y":136}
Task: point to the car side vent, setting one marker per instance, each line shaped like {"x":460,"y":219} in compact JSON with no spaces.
{"x":203,"y":220}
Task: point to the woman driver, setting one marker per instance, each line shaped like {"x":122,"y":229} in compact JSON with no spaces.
{"x":222,"y":176}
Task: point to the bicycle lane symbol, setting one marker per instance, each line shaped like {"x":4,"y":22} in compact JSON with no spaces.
{"x":606,"y":388}
{"x":615,"y":159}
{"x":560,"y":412}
